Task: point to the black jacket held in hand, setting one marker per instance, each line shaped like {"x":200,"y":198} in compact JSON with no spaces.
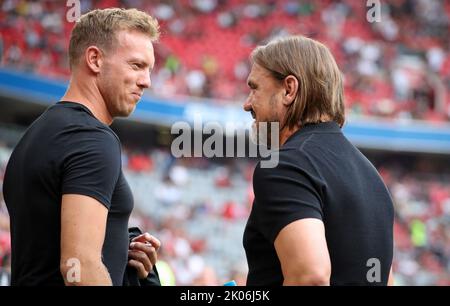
{"x":131,"y":277}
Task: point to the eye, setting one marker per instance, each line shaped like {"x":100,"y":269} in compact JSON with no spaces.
{"x":135,"y":66}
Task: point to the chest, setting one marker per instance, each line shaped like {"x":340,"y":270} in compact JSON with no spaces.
{"x":122,"y":201}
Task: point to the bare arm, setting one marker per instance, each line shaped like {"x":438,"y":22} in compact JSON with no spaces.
{"x":391,"y":278}
{"x":303,"y":253}
{"x":83,"y":225}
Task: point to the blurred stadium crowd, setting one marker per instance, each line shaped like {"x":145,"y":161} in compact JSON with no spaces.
{"x":198,"y":209}
{"x":398,"y":68}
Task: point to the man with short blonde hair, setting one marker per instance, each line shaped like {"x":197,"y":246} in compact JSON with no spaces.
{"x":100,"y":27}
{"x":67,"y":197}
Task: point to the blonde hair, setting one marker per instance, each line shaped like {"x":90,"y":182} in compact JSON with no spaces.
{"x":99,"y":28}
{"x":320,"y":89}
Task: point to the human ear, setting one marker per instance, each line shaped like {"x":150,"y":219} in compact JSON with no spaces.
{"x":290,"y":84}
{"x":94,"y":58}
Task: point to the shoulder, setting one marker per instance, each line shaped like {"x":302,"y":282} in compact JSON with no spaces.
{"x":77,"y":120}
{"x":289,"y":159}
{"x":89,"y":146}
{"x":84,"y":136}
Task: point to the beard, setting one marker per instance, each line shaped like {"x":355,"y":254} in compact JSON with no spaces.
{"x":124,"y":110}
{"x":118,"y":103}
{"x":265,"y":134}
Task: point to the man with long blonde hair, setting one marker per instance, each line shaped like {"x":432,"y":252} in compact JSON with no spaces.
{"x":323,"y":215}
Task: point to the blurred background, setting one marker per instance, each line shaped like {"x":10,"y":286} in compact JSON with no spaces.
{"x":397,"y":89}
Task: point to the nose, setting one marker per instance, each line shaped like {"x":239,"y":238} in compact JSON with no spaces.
{"x":145,"y":81}
{"x":247,"y":105}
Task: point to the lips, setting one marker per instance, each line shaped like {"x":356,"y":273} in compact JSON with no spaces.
{"x":253,"y":114}
{"x":137,"y":95}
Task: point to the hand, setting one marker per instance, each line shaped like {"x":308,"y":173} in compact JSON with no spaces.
{"x":142,"y":254}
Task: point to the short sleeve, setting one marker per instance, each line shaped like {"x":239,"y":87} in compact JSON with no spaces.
{"x":284,"y":194}
{"x":92,"y":165}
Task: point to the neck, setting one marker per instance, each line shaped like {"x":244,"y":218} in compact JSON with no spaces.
{"x":286,"y":133}
{"x":83,"y":93}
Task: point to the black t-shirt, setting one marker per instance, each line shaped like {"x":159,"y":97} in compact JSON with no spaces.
{"x":321,"y":175}
{"x":65,"y":151}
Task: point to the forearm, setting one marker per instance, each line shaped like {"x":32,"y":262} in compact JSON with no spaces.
{"x":391,"y":279}
{"x":89,"y":273}
{"x":306,"y":280}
